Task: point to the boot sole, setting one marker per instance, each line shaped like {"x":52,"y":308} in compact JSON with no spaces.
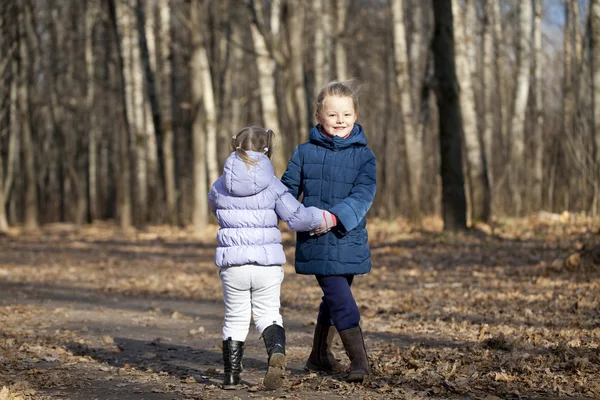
{"x":275,"y":372}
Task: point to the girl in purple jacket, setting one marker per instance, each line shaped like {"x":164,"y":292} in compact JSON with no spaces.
{"x":248,"y":201}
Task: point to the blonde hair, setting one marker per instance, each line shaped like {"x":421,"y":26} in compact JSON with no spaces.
{"x":347,"y":88}
{"x":252,"y":138}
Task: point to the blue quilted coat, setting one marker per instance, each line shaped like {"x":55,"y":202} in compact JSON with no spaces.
{"x":338,"y":175}
{"x":247,"y":203}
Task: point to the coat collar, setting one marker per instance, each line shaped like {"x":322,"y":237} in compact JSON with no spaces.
{"x":355,"y":138}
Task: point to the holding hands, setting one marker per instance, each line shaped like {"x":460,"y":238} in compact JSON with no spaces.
{"x":329,"y":221}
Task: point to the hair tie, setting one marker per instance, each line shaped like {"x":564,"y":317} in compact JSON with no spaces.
{"x":234,"y":137}
{"x":238,"y":148}
{"x":266,"y":149}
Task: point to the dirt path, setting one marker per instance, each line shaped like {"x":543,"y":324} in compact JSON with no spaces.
{"x":92,"y":314}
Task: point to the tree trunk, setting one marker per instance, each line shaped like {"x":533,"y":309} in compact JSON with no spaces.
{"x":93,"y":131}
{"x":413,"y":143}
{"x":198,"y":67}
{"x":265,"y":63}
{"x":323,"y":43}
{"x":29,"y":170}
{"x":478,"y":188}
{"x":595,"y":57}
{"x":165,"y":97}
{"x":295,"y":26}
{"x":139,"y":136}
{"x":520,"y":103}
{"x":13,"y":143}
{"x":124,"y":175}
{"x":453,"y":192}
{"x":489,"y":95}
{"x":538,"y":138}
{"x":3,"y":112}
{"x":151,"y":116}
{"x":500,"y":56}
{"x":341,"y":59}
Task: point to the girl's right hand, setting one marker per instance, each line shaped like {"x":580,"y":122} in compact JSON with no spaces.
{"x":329,"y":221}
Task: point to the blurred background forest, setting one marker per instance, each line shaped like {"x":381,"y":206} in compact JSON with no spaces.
{"x":123,"y":109}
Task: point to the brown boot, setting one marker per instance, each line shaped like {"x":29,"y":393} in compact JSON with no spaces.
{"x":357,"y":352}
{"x":321,"y":358}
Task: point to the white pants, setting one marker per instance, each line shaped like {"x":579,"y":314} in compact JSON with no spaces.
{"x":250,"y":291}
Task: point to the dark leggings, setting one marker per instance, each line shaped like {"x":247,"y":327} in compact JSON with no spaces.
{"x":338,"y":306}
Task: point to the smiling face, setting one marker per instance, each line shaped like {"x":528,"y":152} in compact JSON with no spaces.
{"x":337,"y":116}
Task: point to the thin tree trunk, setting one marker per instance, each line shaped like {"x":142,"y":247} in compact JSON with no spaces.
{"x":29,"y":170}
{"x":413,"y":143}
{"x":139,"y":136}
{"x":490,"y":86}
{"x":13,"y":143}
{"x":479,"y":193}
{"x":295,"y":26}
{"x":416,"y":55}
{"x":200,"y":207}
{"x":265,"y":62}
{"x":595,"y":57}
{"x":151,"y":117}
{"x":124,"y":193}
{"x":322,"y":14}
{"x":341,"y":58}
{"x":520,"y":102}
{"x":538,"y":139}
{"x":453,"y":192}
{"x":500,"y":56}
{"x":202,"y":66}
{"x":3,"y":112}
{"x":165,"y":96}
{"x":93,"y":130}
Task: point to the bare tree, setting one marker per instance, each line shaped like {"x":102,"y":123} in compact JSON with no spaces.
{"x":295,"y":26}
{"x":341,"y":57}
{"x":413,"y":145}
{"x":202,"y":68}
{"x":165,"y":97}
{"x":3,"y":114}
{"x":29,"y":169}
{"x":595,"y":54}
{"x":323,"y":42}
{"x":520,"y":101}
{"x":478,"y":187}
{"x":266,"y":56}
{"x":490,"y":86}
{"x":453,"y":192}
{"x":124,"y":193}
{"x":93,"y":130}
{"x":198,"y":66}
{"x":538,"y":138}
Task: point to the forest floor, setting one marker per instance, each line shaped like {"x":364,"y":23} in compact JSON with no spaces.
{"x":513,"y":312}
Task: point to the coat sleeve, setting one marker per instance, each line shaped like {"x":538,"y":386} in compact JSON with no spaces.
{"x":212,"y":197}
{"x":298,"y":217}
{"x":353,"y":208}
{"x":292,"y":177}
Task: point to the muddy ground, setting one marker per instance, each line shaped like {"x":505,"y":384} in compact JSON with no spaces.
{"x":509,"y":312}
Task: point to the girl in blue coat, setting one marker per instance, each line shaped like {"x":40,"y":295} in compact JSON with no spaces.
{"x":335,"y":171}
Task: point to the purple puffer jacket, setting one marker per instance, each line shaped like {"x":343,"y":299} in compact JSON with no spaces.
{"x":247,"y":202}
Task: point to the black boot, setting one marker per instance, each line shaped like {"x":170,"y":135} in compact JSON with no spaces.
{"x":357,"y":352}
{"x":321,"y":358}
{"x":233,"y":352}
{"x":274,"y":337}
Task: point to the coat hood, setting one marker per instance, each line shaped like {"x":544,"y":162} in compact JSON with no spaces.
{"x":240,"y":180}
{"x":356,"y":138}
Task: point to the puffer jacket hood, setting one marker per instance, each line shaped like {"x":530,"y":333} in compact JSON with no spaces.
{"x":242,"y":180}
